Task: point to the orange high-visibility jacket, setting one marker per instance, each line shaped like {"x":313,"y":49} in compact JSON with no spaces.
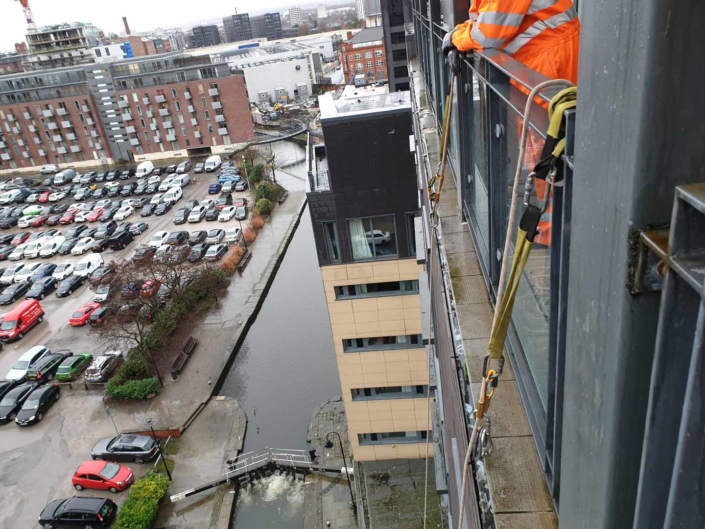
{"x":542,"y":34}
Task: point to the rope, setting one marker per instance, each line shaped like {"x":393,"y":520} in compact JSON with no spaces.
{"x":503,"y":273}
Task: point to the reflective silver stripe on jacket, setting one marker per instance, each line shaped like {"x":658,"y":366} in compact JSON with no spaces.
{"x":537,"y":28}
{"x":483,"y":41}
{"x":501,"y":19}
{"x":538,"y":5}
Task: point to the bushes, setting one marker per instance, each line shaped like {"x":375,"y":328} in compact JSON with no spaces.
{"x":119,"y":388}
{"x":229,"y":262}
{"x":135,"y":367}
{"x":142,"y":504}
{"x":255,"y":174}
{"x":250,"y":235}
{"x":263,"y":191}
{"x":257,"y":222}
{"x":263,"y":206}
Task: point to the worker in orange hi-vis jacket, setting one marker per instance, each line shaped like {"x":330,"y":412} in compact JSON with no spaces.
{"x":541,"y":34}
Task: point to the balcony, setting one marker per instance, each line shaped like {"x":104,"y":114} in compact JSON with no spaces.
{"x":194,"y":121}
{"x":157,"y":139}
{"x":20,"y":142}
{"x":48,"y":113}
{"x":217,"y":105}
{"x":160,"y":99}
{"x":222,"y":131}
{"x":52,"y":126}
{"x":123,"y":103}
{"x":85,"y":108}
{"x":11,"y":117}
{"x":66,"y":124}
{"x":71,"y":136}
{"x":90,"y":121}
{"x":213,"y":92}
{"x":37,"y":140}
{"x":150,"y":114}
{"x":219,"y":118}
{"x":3,"y":145}
{"x":61,"y":150}
{"x":75,"y":148}
{"x":126,"y":116}
{"x":168,"y":125}
{"x":145,"y":101}
{"x":61,"y":111}
{"x":16,"y":130}
{"x":191,"y":109}
{"x":187,"y":95}
{"x":25,"y":154}
{"x":5,"y":156}
{"x":153,"y":126}
{"x":32,"y":128}
{"x":94,"y":133}
{"x":42,"y":152}
{"x":56,"y":138}
{"x":171,"y":136}
{"x":197,"y":134}
{"x":27,"y":115}
{"x":130,"y":130}
{"x":163,"y":112}
{"x":134,"y":141}
{"x":98,"y":147}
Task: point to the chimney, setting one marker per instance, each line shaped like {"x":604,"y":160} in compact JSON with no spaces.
{"x":127,"y":27}
{"x":349,"y":35}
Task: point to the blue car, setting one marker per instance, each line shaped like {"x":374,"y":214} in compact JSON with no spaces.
{"x":43,"y":271}
{"x":228,"y":178}
{"x":214,"y":189}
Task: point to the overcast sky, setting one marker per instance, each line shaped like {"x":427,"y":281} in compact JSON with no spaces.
{"x":142,"y":15}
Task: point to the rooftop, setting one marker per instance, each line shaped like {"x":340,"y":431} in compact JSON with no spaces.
{"x":60,"y":27}
{"x":368,"y":35}
{"x":363,"y":101}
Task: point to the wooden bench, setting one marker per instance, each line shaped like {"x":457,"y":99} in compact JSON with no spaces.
{"x":244,"y":260}
{"x":283,"y":197}
{"x":183,"y":357}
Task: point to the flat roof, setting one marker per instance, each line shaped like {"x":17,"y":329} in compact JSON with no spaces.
{"x":334,"y":107}
{"x":368,"y":35}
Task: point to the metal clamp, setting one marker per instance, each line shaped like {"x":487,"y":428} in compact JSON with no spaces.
{"x":494,"y":379}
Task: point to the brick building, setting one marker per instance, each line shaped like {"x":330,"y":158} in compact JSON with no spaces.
{"x":364,"y":54}
{"x":11,"y":63}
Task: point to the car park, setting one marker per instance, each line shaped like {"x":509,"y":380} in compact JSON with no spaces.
{"x":216,"y":252}
{"x":14,"y":292}
{"x":37,"y":403}
{"x":69,"y":285}
{"x":13,"y":400}
{"x":227,"y":213}
{"x":44,"y":370}
{"x":89,"y":512}
{"x":41,"y":288}
{"x":197,"y":252}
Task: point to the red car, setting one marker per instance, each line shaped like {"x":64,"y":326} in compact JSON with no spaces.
{"x":239,"y":202}
{"x":81,"y":315}
{"x":39,"y":220}
{"x":68,"y":217}
{"x":44,"y":197}
{"x":150,"y":288}
{"x":95,"y":214}
{"x":20,"y":238}
{"x":102,"y":475}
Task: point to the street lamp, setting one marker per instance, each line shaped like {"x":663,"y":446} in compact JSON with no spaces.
{"x":329,"y":445}
{"x":159,"y":448}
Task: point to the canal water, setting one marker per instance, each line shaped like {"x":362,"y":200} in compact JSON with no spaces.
{"x":285,"y":368}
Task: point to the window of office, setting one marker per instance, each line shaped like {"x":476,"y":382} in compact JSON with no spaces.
{"x":380,"y":63}
{"x":184,"y":131}
{"x":382,"y":343}
{"x":411,"y":232}
{"x":177,"y":105}
{"x":381,"y":74}
{"x":390,"y":392}
{"x":359,"y":66}
{"x":173,"y":93}
{"x":373,"y":237}
{"x":143,"y":123}
{"x":207,"y":114}
{"x":139,"y":110}
{"x":374,"y":290}
{"x":203,"y":102}
{"x":210,"y":128}
{"x":75,"y":104}
{"x":378,"y":53}
{"x":358,"y":56}
{"x":330,"y":232}
{"x":391,"y":438}
{"x":368,"y":55}
{"x":369,"y":64}
{"x":146,"y":134}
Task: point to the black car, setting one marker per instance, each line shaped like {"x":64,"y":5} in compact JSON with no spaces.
{"x":90,"y":232}
{"x":162,"y":208}
{"x":115,"y":190}
{"x":101,"y":275}
{"x":112,"y":175}
{"x":8,"y":222}
{"x":171,"y":169}
{"x":37,"y":404}
{"x":123,"y":226}
{"x":7,"y":385}
{"x":54,"y":219}
{"x":127,"y":174}
{"x":126,"y":447}
{"x":197,"y":252}
{"x":69,"y":285}
{"x":24,"y":193}
{"x":78,"y":512}
{"x":148,"y":209}
{"x":101,"y":176}
{"x":191,"y":204}
{"x":76,"y":231}
{"x":158,"y":171}
{"x":108,"y":214}
{"x":177,"y":238}
{"x":43,"y":271}
{"x":140,"y":202}
{"x":143,"y":254}
{"x":199,"y":167}
{"x":138,"y":228}
{"x":67,"y":245}
{"x":100,"y":245}
{"x":152,"y":188}
{"x":59,"y":208}
{"x":212,"y":214}
{"x":101,"y":192}
{"x":98,"y":316}
{"x":224,"y":200}
{"x":106,"y":230}
{"x":14,"y":292}
{"x":6,"y":239}
{"x":181,"y":216}
{"x":41,"y":287}
{"x":128,"y":189}
{"x":120,"y":241}
{"x":197,"y":237}
{"x":141,"y":188}
{"x":12,"y":401}
{"x":5,"y":251}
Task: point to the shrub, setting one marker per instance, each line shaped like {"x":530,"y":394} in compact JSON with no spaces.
{"x":132,"y":389}
{"x":250,"y":235}
{"x":257,"y":222}
{"x":142,"y":505}
{"x":263,"y":191}
{"x":229,"y":262}
{"x":135,"y":367}
{"x":276,"y":192}
{"x":263,"y":206}
{"x":255,"y":175}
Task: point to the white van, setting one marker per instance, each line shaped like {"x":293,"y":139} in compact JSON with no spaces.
{"x":144,"y":169}
{"x":88,"y":265}
{"x":173,"y":195}
{"x":181,"y":181}
{"x":52,"y":246}
{"x":213,"y":163}
{"x":64,"y":177}
{"x":8,"y":197}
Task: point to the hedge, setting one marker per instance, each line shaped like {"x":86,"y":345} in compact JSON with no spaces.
{"x":263,"y":191}
{"x":119,"y":388}
{"x":263,"y":205}
{"x":142,"y":505}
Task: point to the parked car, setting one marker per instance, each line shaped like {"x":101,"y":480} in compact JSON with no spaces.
{"x":141,"y":188}
{"x":73,"y":366}
{"x":83,"y":245}
{"x":177,"y":238}
{"x":41,"y":287}
{"x":101,"y":192}
{"x":215,"y":236}
{"x":106,"y":230}
{"x":20,"y":238}
{"x":76,"y":231}
{"x":124,"y":212}
{"x":199,"y":167}
{"x":197,"y":237}
{"x":12,"y":402}
{"x":233,"y":234}
{"x":183,"y":167}
{"x":26,"y":361}
{"x":49,"y":169}
{"x":63,"y":271}
{"x":214,"y":189}
{"x":101,"y":275}
{"x":53,"y":220}
{"x":139,"y":203}
{"x":6,"y":251}
{"x":241,"y":185}
{"x":125,"y":175}
{"x":147,"y":210}
{"x":128,"y":189}
{"x":216,"y":252}
{"x":212,"y":213}
{"x":42,"y":271}
{"x":7,"y":385}
{"x":171,"y":169}
{"x":69,"y":285}
{"x":45,"y":369}
{"x":241,"y":213}
{"x":138,"y":228}
{"x":112,"y":175}
{"x":158,"y":239}
{"x":162,"y":208}
{"x":37,"y":404}
{"x":100,"y":245}
{"x":89,"y":512}
{"x":130,"y":447}
{"x":68,"y":217}
{"x":181,"y":216}
{"x":156,"y":199}
{"x":56,"y":196}
{"x":99,"y":315}
{"x":143,"y":254}
{"x":102,"y":475}
{"x":25,"y":274}
{"x":223,"y":201}
{"x":150,"y":287}
{"x":121,"y":240}
{"x":91,"y":216}
{"x":102,"y":293}
{"x":166,"y":184}
{"x":197,"y":252}
{"x":151,"y":188}
{"x":14,"y":292}
{"x":227,"y":213}
{"x":103,"y":366}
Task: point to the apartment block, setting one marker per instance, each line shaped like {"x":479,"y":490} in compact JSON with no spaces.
{"x":396,"y":14}
{"x":203,"y":36}
{"x":61,"y":45}
{"x":364,"y":56}
{"x":267,"y":26}
{"x":363,"y":201}
{"x":11,"y":63}
{"x":237,"y":27}
{"x":296,"y":16}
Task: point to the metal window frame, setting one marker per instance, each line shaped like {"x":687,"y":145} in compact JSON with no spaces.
{"x":328,"y":242}
{"x":394,"y":256}
{"x":383,"y":347}
{"x":390,"y":396}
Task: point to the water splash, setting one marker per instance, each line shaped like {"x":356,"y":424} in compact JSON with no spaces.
{"x":282,"y":492}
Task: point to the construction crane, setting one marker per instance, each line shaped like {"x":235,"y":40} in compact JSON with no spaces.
{"x":29,"y":17}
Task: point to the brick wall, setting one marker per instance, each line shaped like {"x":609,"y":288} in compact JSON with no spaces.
{"x":350,"y":62}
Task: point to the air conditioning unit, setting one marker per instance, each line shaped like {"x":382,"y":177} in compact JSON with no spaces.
{"x":302,"y":89}
{"x":263,"y":96}
{"x":281,"y":93}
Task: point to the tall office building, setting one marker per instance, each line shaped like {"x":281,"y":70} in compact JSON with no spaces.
{"x":296,"y":16}
{"x":395,"y":15}
{"x":204,"y":36}
{"x":363,"y":201}
{"x":237,"y":27}
{"x":267,"y":26}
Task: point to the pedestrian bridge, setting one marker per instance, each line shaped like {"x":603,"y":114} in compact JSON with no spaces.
{"x":254,"y":464}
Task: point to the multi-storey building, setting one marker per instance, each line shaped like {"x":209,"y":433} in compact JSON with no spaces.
{"x":364,"y":54}
{"x":203,"y":36}
{"x":267,"y":26}
{"x":373,"y":13}
{"x":296,"y":16}
{"x":61,"y":45}
{"x":237,"y":27}
{"x":395,"y":15}
{"x":124,"y":110}
{"x":21,"y":48}
{"x":363,"y":201}
{"x":11,"y":63}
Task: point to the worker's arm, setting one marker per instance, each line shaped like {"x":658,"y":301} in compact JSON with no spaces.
{"x":497,"y":23}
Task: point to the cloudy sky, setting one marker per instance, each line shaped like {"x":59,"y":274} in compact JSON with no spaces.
{"x":142,"y":15}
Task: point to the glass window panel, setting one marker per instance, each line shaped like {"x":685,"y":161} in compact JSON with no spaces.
{"x":383,"y":236}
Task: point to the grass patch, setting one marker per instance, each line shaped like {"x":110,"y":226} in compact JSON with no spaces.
{"x":159,"y":469}
{"x":172,"y":448}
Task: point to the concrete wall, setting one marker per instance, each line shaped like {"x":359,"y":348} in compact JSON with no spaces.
{"x":272,"y":75}
{"x":370,"y":317}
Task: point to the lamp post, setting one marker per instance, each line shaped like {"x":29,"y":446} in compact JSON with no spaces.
{"x":329,"y":445}
{"x":159,"y":447}
{"x":242,"y":234}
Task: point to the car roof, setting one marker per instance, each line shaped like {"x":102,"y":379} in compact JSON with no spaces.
{"x":91,"y":467}
{"x":81,"y":503}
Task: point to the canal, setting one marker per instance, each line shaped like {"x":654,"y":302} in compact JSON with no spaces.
{"x":285,"y":367}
